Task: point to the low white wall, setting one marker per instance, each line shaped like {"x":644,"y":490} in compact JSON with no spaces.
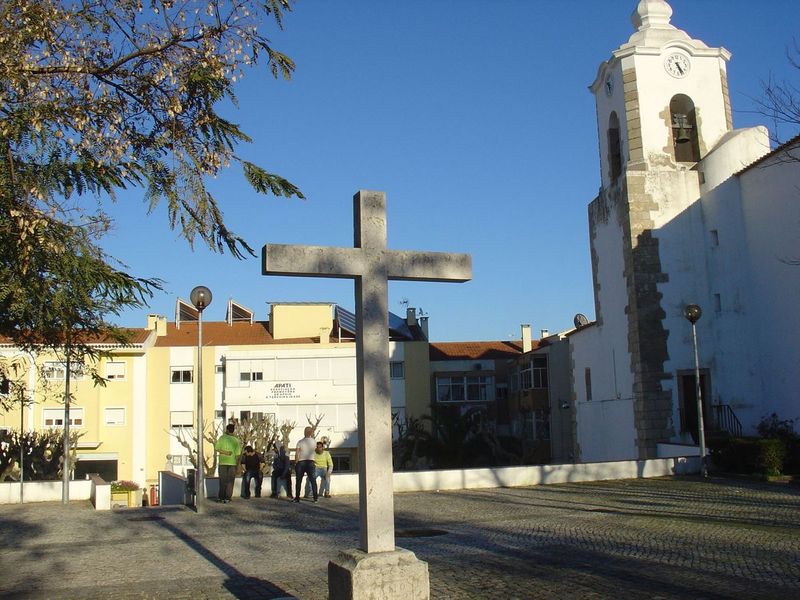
{"x":100,"y":493}
{"x":44,"y":491}
{"x":419,"y":481}
{"x":674,"y":450}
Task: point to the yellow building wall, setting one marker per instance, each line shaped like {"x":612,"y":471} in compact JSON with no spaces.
{"x":96,"y":437}
{"x":288,"y":321}
{"x":158,"y":437}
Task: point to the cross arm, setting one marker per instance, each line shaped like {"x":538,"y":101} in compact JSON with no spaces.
{"x":311,"y":261}
{"x":404,"y":265}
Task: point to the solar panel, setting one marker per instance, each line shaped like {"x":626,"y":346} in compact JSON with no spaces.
{"x":397,"y":325}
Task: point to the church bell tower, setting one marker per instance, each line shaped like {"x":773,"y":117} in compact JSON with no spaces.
{"x":662,"y":105}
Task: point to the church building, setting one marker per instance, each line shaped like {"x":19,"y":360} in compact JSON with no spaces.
{"x":690,"y":211}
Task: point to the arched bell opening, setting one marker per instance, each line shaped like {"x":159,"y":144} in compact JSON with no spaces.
{"x":614,"y":147}
{"x":685,"y":140}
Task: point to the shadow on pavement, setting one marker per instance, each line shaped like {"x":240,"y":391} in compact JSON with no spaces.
{"x":237,"y":583}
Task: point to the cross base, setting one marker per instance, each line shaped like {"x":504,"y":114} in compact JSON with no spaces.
{"x":396,"y":575}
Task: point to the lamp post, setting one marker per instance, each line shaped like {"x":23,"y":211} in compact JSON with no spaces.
{"x":693,"y":313}
{"x":65,"y":465}
{"x":201,"y":298}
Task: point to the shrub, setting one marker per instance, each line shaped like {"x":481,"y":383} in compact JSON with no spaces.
{"x":771,"y":454}
{"x":773,"y":427}
{"x":124,"y":486}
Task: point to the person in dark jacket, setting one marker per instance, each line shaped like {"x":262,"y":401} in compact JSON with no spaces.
{"x":252,"y":462}
{"x":281,"y":473}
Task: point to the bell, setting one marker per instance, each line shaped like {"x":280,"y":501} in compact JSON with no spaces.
{"x":683,"y":135}
{"x":682,"y":123}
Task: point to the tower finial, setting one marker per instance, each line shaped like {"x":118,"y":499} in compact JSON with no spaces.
{"x":651,"y":13}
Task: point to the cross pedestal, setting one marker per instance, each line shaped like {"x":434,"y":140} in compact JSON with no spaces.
{"x":376,"y":570}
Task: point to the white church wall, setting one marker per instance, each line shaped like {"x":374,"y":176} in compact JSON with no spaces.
{"x":736,"y":150}
{"x":771,"y":208}
{"x":604,"y":417}
{"x":727,"y":322}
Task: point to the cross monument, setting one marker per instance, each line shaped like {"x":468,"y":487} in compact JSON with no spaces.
{"x":371,"y":265}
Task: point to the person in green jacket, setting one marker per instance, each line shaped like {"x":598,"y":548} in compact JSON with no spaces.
{"x":229,"y":449}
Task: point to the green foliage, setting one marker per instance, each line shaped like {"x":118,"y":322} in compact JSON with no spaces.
{"x":101,"y":96}
{"x":750,"y":456}
{"x":775,"y":427}
{"x":771,"y":454}
{"x":43,"y":454}
{"x":454,"y":441}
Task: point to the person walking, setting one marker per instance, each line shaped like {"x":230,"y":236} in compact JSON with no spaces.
{"x":281,"y":474}
{"x":252,"y":462}
{"x":229,"y":448}
{"x":304,"y":463}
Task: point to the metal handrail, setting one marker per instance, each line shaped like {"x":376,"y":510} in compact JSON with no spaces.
{"x":726,"y":420}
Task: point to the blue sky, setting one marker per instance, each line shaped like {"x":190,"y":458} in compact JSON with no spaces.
{"x":473,"y":116}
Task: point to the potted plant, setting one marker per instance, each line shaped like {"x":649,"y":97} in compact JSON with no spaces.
{"x":125,"y":493}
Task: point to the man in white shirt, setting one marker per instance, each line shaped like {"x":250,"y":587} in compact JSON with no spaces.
{"x":304,"y":463}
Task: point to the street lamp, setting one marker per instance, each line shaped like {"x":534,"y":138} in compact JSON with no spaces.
{"x":693,"y":313}
{"x":201,"y":298}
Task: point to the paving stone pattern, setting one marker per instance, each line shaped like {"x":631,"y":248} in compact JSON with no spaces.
{"x":658,"y":538}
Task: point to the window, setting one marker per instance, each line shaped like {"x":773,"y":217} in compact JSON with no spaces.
{"x":397,"y":370}
{"x":5,"y":386}
{"x":450,"y":389}
{"x":54,"y":417}
{"x":526,"y":377}
{"x":478,"y":388}
{"x":501,"y":392}
{"x":341,"y":463}
{"x":251,"y":376}
{"x":57,"y":371}
{"x":219,"y":369}
{"x":115,"y":370}
{"x":244,"y":415}
{"x":539,"y":372}
{"x":536,"y":425}
{"x":181,"y":375}
{"x":465,"y":388}
{"x":587,"y":377}
{"x":114,"y":416}
{"x":181,"y":418}
{"x":219,"y":414}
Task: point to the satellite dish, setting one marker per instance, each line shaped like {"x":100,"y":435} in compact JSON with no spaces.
{"x":580,"y":320}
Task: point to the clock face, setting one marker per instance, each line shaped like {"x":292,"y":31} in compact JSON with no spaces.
{"x":608,"y":85}
{"x":677,"y":64}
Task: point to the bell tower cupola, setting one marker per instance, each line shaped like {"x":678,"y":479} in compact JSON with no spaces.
{"x":662,"y":97}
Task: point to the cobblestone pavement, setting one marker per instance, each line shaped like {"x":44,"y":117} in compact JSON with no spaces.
{"x":658,"y":538}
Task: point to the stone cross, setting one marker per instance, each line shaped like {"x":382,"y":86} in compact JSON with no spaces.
{"x":371,"y":265}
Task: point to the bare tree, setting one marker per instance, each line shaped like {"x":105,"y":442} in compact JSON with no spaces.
{"x":780,"y":103}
